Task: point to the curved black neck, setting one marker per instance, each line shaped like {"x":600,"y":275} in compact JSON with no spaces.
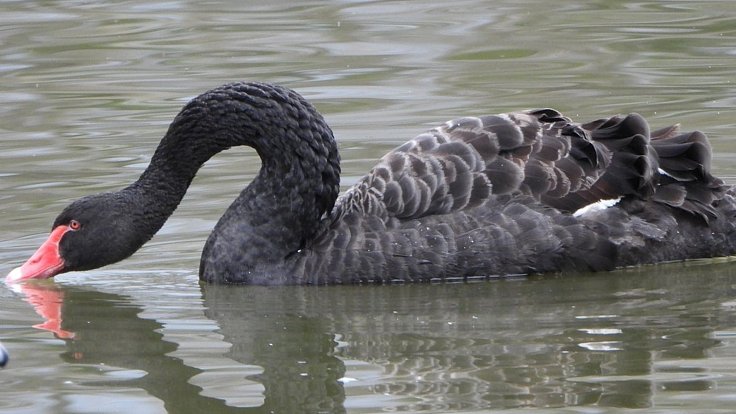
{"x":299,"y":177}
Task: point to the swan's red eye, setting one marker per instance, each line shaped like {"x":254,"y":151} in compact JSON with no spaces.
{"x":74,"y":225}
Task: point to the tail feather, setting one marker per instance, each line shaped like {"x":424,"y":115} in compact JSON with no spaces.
{"x":665,"y":165}
{"x":619,"y":149}
{"x":685,"y":179}
{"x":685,"y":156}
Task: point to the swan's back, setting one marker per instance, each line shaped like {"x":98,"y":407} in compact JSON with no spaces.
{"x":539,"y":153}
{"x":494,"y":195}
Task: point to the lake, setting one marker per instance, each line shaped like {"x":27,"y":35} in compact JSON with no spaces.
{"x":88,"y":90}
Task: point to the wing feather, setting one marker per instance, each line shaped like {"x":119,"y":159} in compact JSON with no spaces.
{"x":540,"y":153}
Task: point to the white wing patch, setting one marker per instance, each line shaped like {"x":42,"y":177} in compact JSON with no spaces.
{"x":597,"y":206}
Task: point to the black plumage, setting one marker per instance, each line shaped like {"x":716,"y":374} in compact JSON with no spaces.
{"x":472,"y":198}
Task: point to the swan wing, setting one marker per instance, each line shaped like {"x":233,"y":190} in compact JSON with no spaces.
{"x":541,"y":153}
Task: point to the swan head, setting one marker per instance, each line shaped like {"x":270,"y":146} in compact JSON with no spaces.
{"x":91,"y":232}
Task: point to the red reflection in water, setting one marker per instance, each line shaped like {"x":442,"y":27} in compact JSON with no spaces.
{"x":47,"y":300}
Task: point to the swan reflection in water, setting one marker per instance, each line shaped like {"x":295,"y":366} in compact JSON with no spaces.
{"x":289,"y":349}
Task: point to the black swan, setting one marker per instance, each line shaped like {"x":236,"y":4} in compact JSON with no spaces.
{"x":476,"y":197}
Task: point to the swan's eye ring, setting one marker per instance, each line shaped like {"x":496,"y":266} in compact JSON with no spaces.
{"x":75,"y":225}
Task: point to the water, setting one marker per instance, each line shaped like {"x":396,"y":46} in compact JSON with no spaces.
{"x":88,"y":89}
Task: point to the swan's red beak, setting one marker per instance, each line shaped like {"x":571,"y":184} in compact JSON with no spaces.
{"x":45,"y":263}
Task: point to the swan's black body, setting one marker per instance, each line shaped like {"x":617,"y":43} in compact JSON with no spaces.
{"x":474,"y":197}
